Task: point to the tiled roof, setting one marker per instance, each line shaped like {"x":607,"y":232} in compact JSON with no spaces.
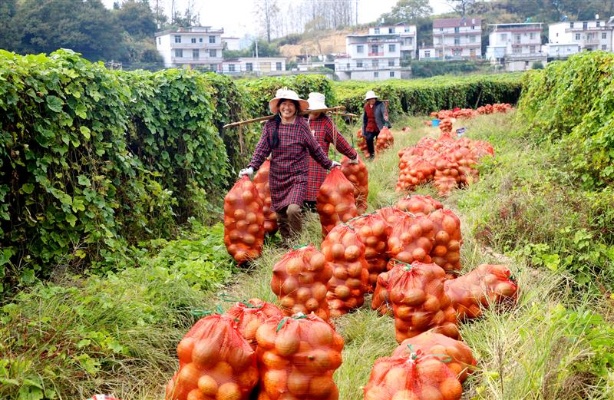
{"x":456,"y":22}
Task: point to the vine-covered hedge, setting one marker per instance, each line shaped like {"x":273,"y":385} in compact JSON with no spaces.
{"x":421,"y":97}
{"x":572,"y":103}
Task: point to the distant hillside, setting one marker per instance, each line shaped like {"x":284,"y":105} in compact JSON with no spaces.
{"x":322,"y":43}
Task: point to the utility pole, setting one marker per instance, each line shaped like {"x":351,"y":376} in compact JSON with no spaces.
{"x":356,"y":12}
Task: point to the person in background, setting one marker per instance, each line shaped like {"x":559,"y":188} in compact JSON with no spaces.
{"x":374,"y":119}
{"x":288,"y":140}
{"x":325,"y":133}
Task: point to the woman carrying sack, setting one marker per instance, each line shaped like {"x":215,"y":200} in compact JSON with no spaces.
{"x":374,"y":119}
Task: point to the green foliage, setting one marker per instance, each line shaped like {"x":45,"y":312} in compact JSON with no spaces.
{"x":571,"y":104}
{"x":427,"y":69}
{"x":419,"y":97}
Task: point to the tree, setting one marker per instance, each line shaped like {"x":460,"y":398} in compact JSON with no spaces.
{"x":408,"y":11}
{"x":268,"y":12}
{"x":136,"y":18}
{"x":461,"y":6}
{"x":84,"y":26}
{"x":8,"y":9}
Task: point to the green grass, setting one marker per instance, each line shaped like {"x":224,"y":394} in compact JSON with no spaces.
{"x":117,"y":334}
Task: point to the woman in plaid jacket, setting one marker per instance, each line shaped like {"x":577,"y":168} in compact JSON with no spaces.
{"x":325,"y":133}
{"x":289,"y":142}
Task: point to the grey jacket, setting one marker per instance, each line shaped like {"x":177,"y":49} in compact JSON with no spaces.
{"x":380,"y":116}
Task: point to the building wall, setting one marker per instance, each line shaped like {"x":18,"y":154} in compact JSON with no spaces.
{"x":194,"y":46}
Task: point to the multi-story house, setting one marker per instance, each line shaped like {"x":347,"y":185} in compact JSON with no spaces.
{"x":196,"y":46}
{"x":581,"y":35}
{"x":455,"y":38}
{"x":255,"y":65}
{"x":515,"y":46}
{"x":378,"y":54}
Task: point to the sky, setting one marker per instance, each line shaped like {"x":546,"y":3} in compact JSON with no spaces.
{"x":237,"y":16}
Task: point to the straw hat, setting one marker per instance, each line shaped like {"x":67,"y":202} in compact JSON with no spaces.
{"x":370,"y":95}
{"x":286,"y":94}
{"x":316,"y":101}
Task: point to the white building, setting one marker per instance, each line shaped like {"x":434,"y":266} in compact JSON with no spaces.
{"x":232,"y":43}
{"x":457,"y":38}
{"x":254,"y":65}
{"x":516,"y":46}
{"x":378,"y":54}
{"x":587,"y":35}
{"x":196,"y":46}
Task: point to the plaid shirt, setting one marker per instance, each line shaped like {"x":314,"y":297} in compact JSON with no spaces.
{"x":289,"y":161}
{"x":325,"y":133}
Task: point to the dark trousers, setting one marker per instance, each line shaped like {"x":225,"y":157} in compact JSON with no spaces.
{"x":370,"y":138}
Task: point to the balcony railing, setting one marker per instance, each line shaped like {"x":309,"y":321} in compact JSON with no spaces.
{"x":376,"y":54}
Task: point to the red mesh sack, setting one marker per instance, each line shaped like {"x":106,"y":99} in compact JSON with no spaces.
{"x":335,"y":200}
{"x":359,"y":176}
{"x":361,"y":142}
{"x":458,"y":356}
{"x":448,"y":240}
{"x":418,"y":204}
{"x":215,"y":361}
{"x":373,"y":232}
{"x":261,"y":180}
{"x":300,"y":281}
{"x":419,"y":302}
{"x":485,"y":285}
{"x":414,"y":170}
{"x":250,"y":314}
{"x":346,"y":253}
{"x":380,"y":300}
{"x":384,"y":141}
{"x":243,"y":221}
{"x":414,"y":377}
{"x":411,"y":239}
{"x":297,"y":357}
{"x":391,"y":215}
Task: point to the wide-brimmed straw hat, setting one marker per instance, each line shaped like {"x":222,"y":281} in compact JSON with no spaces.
{"x":286,"y":94}
{"x":317,"y":101}
{"x":370,"y":95}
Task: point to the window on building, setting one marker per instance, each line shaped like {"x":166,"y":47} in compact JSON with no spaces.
{"x":585,"y":25}
{"x":249,"y":66}
{"x":360,"y":48}
{"x":193,"y":40}
{"x":391,"y":63}
{"x":212,"y":67}
{"x":195,"y":54}
{"x":179,"y":53}
{"x":376,"y":74}
{"x":211,"y":39}
{"x":177,"y":38}
{"x":504,"y":37}
{"x":231,"y":67}
{"x":457,"y":40}
{"x":392,"y":48}
{"x":159,"y":41}
{"x":472,"y":39}
{"x":406,"y":30}
{"x":358,"y":64}
{"x":598,"y":23}
{"x":532,"y":49}
{"x":457,"y":52}
{"x":577,"y":36}
{"x":376,"y":31}
{"x":374,"y":50}
{"x":375,"y":63}
{"x":571,"y":25}
{"x":532,"y":35}
{"x":200,"y":40}
{"x":390,"y":30}
{"x":516,"y":50}
{"x":348,"y":66}
{"x":392,"y":74}
{"x":457,"y":30}
{"x":604,"y":47}
{"x":427,"y":54}
{"x":604,"y":35}
{"x":212,"y":53}
{"x":278,"y":66}
{"x":410,"y":41}
{"x":517,"y":39}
